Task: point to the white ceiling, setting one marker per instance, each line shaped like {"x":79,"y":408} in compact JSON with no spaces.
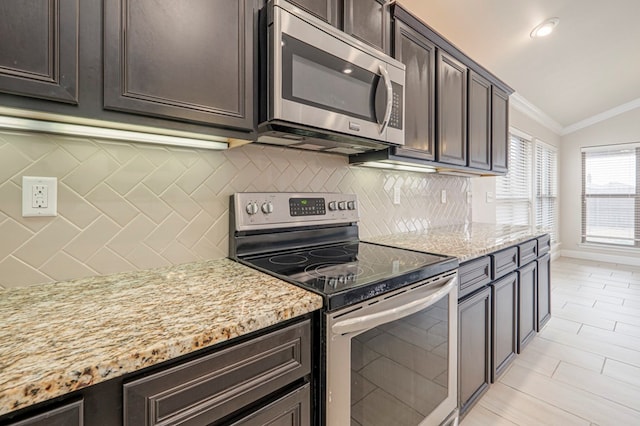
{"x":589,"y":66}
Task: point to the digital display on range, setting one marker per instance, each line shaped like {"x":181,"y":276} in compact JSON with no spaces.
{"x":307,"y":206}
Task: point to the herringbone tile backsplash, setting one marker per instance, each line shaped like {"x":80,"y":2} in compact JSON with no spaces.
{"x":128,"y":206}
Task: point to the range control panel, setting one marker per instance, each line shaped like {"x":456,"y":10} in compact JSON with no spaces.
{"x":265,"y":210}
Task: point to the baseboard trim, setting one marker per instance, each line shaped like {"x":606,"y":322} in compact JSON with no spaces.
{"x":602,"y":257}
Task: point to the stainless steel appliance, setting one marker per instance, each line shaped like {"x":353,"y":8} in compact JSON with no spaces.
{"x":389,"y":325}
{"x":324,"y":89}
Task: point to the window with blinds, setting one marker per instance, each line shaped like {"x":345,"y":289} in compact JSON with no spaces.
{"x":546,"y":189}
{"x":513,"y":190}
{"x":611,"y":195}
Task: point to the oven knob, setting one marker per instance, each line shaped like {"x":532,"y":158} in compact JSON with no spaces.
{"x":332,"y":205}
{"x":341,"y":279}
{"x":342,"y":205}
{"x":267,"y":207}
{"x":333,"y":282}
{"x":252,"y":208}
{"x":351,"y":205}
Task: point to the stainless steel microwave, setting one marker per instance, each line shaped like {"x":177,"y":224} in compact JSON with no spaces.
{"x":323,"y":89}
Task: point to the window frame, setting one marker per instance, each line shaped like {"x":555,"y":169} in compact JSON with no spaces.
{"x":603,"y":149}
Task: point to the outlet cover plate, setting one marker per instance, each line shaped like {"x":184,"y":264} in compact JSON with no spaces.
{"x":44,"y":187}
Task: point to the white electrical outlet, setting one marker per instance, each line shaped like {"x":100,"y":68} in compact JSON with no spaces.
{"x":39,"y":196}
{"x":396,"y":195}
{"x":443,"y":196}
{"x":490,"y":197}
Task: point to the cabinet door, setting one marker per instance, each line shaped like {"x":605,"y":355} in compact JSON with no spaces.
{"x":189,"y":60}
{"x":418,"y":54}
{"x":499,"y":130}
{"x":527,"y":283}
{"x":67,"y":415}
{"x":211,"y":387}
{"x":452,"y":111}
{"x":479,"y":122}
{"x":291,"y":410}
{"x":504,"y":296}
{"x":39,"y":49}
{"x":544,"y":291}
{"x":474,"y":348}
{"x":368,"y":21}
{"x":323,"y":9}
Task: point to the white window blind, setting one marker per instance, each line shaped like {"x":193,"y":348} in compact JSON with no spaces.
{"x":611,"y":195}
{"x":546,"y":189}
{"x":513,"y":191}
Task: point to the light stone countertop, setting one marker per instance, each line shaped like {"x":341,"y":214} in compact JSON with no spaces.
{"x":466,"y":242}
{"x":57,"y":338}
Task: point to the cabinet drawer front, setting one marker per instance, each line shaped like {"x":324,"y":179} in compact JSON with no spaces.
{"x":505,"y":261}
{"x":473,"y":275}
{"x":218,"y":384}
{"x":544,"y":244}
{"x":67,"y":415}
{"x":528,"y":252}
{"x":293,"y":409}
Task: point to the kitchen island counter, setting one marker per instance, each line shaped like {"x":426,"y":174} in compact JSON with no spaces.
{"x":60,"y":337}
{"x":466,"y":242}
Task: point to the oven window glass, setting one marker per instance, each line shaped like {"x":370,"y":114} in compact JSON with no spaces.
{"x":399,"y":370}
{"x":316,"y":78}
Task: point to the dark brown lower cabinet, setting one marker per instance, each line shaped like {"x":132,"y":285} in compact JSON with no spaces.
{"x":527,"y":283}
{"x":67,"y":415}
{"x":504,"y":323}
{"x":292,"y":409}
{"x":544,"y":291}
{"x":496,"y":319}
{"x":210,"y":389}
{"x":474,"y":347}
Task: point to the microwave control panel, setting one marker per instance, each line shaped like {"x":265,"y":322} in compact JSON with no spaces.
{"x":395,"y":120}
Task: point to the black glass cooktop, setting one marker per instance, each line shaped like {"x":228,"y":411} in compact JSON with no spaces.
{"x":351,"y":272}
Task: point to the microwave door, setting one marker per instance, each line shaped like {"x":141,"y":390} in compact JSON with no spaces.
{"x":318,"y":80}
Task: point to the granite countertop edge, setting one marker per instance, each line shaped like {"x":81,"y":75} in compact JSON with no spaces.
{"x":118,"y":335}
{"x":465,"y":242}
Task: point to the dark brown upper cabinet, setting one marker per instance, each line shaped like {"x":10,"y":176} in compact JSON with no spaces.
{"x":500,"y":130}
{"x":479,"y":122}
{"x":368,"y":21}
{"x":39,"y":49}
{"x":189,"y":60}
{"x":419,"y":55}
{"x":323,"y":9}
{"x":451,"y":143}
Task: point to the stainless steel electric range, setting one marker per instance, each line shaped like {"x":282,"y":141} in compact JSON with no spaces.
{"x":389,"y":327}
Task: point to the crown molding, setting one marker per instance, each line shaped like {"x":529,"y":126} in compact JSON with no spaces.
{"x":521,"y":104}
{"x":620,"y":109}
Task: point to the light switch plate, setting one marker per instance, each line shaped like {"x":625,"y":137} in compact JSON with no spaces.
{"x":39,"y":196}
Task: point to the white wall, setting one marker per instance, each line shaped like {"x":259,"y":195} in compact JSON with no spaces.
{"x":620,"y":129}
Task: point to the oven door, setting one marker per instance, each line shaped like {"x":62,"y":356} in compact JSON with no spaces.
{"x":319,"y":78}
{"x":392,"y":360}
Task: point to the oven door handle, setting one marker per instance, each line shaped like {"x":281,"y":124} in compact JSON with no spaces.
{"x":399,"y":310}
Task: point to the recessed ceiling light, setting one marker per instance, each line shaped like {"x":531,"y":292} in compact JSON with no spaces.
{"x":545,"y":28}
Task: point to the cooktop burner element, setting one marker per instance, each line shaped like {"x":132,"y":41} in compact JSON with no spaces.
{"x":308,"y":240}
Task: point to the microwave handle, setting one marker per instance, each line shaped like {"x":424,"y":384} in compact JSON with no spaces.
{"x":401,"y":309}
{"x":387,"y":111}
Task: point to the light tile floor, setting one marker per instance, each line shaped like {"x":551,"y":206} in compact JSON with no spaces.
{"x":583,"y":368}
